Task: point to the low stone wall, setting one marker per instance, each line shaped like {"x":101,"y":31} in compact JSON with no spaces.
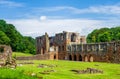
{"x":47,"y":56}
{"x":35,"y":57}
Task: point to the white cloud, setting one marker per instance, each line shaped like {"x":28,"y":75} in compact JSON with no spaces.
{"x":43,"y":18}
{"x":36,"y":27}
{"x":10,"y":3}
{"x":52,"y":9}
{"x":102,"y":9}
{"x":111,"y":9}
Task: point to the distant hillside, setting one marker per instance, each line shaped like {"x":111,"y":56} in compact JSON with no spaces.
{"x":10,"y":36}
{"x":104,"y":35}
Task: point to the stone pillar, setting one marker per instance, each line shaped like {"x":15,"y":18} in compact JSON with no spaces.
{"x":81,"y":47}
{"x":41,"y":51}
{"x":86,"y":47}
{"x":98,"y":49}
{"x":47,"y":42}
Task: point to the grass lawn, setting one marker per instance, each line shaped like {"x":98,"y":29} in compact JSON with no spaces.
{"x":17,"y":54}
{"x":6,"y":73}
{"x":62,"y":69}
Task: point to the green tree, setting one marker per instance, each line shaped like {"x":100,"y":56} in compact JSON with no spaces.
{"x":92,"y":36}
{"x":104,"y":37}
{"x":30,"y":45}
{"x":94,"y":39}
{"x":4,"y":39}
{"x":12,"y":37}
{"x":118,"y":36}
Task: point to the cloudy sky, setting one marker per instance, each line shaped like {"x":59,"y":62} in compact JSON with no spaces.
{"x":35,"y":17}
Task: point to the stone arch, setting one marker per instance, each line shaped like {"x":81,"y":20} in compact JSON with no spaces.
{"x":91,"y":58}
{"x":75,"y":58}
{"x":42,"y":50}
{"x":80,"y":58}
{"x":70,"y":57}
{"x":86,"y":58}
{"x":54,"y":57}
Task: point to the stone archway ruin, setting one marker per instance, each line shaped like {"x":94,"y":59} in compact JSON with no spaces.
{"x":86,"y":58}
{"x":91,"y":58}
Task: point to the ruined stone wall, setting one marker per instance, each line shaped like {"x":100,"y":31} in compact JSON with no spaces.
{"x":47,"y":56}
{"x":53,"y":55}
{"x":42,"y":44}
{"x":107,"y":51}
{"x":72,"y":46}
{"x":5,"y":53}
{"x":82,"y":40}
{"x":35,"y":57}
{"x":62,"y":39}
{"x":72,"y":38}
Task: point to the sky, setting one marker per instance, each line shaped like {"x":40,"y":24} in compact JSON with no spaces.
{"x":35,"y":17}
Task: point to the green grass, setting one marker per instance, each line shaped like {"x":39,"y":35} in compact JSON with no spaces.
{"x":110,"y":71}
{"x":62,"y":71}
{"x":17,"y":54}
{"x":6,"y":73}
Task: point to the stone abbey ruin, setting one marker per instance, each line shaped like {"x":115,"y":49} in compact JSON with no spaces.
{"x":72,"y":46}
{"x":68,"y":46}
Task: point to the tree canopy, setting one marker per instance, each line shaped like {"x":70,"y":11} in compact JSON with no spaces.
{"x":104,"y":35}
{"x":4,"y":39}
{"x":10,"y":36}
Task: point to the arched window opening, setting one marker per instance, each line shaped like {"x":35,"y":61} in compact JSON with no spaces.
{"x":75,"y":59}
{"x":70,"y":57}
{"x":80,"y":58}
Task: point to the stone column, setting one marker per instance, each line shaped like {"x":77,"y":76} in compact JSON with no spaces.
{"x":47,"y":42}
{"x":81,"y":47}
